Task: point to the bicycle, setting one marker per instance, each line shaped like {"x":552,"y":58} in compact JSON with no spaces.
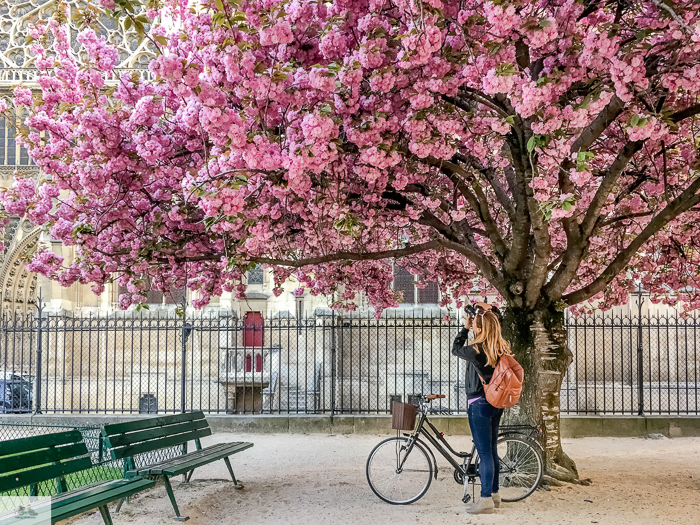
{"x":400,"y":469}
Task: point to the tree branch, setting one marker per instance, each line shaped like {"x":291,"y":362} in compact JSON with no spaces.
{"x":494,"y":276}
{"x":681,"y":204}
{"x":606,"y":186}
{"x":690,"y":111}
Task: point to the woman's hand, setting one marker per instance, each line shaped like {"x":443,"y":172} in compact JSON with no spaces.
{"x":467,"y":322}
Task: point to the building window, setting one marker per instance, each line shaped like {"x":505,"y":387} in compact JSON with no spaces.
{"x":255,"y":275}
{"x":11,"y":153}
{"x":158,"y":297}
{"x":407,"y":283}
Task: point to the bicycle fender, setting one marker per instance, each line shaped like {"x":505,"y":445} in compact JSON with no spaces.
{"x":536,"y":442}
{"x":430,"y":451}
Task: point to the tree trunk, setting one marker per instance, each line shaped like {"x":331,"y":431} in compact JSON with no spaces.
{"x":539,"y":341}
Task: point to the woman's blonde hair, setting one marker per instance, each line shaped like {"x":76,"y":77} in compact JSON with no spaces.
{"x":490,"y":339}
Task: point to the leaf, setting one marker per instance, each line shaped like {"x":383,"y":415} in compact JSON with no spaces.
{"x":326,"y":110}
{"x":566,"y":205}
{"x":545,"y":23}
{"x":139,"y":29}
{"x":219,"y":5}
{"x":634,"y":120}
{"x":531,"y":144}
{"x":127,"y":24}
{"x":161,"y":40}
{"x":510,"y":120}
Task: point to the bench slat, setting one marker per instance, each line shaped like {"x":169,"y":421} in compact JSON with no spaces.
{"x":17,"y":446}
{"x":141,"y":424}
{"x":157,"y":444}
{"x":176,"y":469}
{"x":39,"y":474}
{"x":131,"y":438}
{"x":79,"y":500}
{"x":41,"y":457}
{"x":192,"y":459}
{"x":99,"y":495}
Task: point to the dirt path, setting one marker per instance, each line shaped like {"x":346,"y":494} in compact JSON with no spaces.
{"x":318,"y":480}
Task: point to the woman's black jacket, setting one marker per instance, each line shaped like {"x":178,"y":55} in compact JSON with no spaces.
{"x":472,"y":382}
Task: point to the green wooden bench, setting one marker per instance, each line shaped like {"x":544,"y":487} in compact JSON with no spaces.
{"x":126,"y":440}
{"x":28,"y":462}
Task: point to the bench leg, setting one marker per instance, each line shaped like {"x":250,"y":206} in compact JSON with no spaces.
{"x":120,"y":503}
{"x":236,"y":483}
{"x":169,"y":489}
{"x":105,"y":515}
{"x":188,"y":477}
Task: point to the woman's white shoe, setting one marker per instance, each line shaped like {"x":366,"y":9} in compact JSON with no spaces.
{"x":483,"y":506}
{"x":496,"y":497}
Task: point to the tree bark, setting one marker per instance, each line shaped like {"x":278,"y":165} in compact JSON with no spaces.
{"x":539,"y":341}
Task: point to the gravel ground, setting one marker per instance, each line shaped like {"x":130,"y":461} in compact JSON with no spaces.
{"x":318,"y":479}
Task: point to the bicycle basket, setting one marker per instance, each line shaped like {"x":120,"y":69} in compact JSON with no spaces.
{"x":403,"y":415}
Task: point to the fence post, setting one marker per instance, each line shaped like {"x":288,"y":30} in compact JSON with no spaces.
{"x":333,"y":372}
{"x":640,"y":356}
{"x":185,"y":332}
{"x":39,"y":341}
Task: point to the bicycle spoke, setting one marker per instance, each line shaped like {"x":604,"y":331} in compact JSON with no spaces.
{"x":398,"y":474}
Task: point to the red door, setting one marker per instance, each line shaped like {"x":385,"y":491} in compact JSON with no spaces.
{"x":253,"y":329}
{"x":258,"y":362}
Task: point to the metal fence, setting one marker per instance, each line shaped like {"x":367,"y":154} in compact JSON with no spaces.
{"x":103,"y":467}
{"x":324,"y":364}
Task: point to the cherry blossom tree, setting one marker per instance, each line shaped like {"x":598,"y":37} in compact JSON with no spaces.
{"x":545,"y":151}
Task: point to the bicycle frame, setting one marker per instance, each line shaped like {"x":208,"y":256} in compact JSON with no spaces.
{"x":436,"y":440}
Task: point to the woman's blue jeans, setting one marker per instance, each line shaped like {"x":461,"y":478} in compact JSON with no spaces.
{"x":484,"y":420}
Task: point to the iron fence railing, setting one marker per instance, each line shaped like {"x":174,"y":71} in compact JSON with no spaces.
{"x":327,"y":363}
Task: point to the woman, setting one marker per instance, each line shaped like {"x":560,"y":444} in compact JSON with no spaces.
{"x":481,"y":357}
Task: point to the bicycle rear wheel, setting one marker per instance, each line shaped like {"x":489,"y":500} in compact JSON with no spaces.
{"x":520,"y":468}
{"x":398,"y":474}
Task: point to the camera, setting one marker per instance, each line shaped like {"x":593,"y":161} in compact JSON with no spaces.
{"x":470,"y":310}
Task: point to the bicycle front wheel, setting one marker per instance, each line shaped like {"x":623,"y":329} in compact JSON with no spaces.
{"x":398,"y":473}
{"x":520,"y":468}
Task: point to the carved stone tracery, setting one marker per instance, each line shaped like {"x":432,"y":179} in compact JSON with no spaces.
{"x":17,"y":15}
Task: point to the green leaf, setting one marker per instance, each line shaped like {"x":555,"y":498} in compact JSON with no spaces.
{"x":161,"y":40}
{"x":326,"y":110}
{"x":219,"y":5}
{"x":506,"y":69}
{"x":544,"y":23}
{"x":634,"y":120}
{"x":510,"y":120}
{"x":531,"y":144}
{"x":566,"y":205}
{"x":127,"y":24}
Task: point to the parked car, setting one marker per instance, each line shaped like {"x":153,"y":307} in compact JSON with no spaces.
{"x":15,"y":394}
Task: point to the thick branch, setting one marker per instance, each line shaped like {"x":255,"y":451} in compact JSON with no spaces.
{"x":458,"y":175}
{"x":681,"y":204}
{"x":609,"y":180}
{"x":488,"y":270}
{"x":591,"y":132}
{"x":344,"y":256}
{"x":685,"y":113}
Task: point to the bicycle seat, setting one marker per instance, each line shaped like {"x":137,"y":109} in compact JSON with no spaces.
{"x":434,"y":396}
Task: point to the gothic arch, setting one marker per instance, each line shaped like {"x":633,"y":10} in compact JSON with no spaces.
{"x":18,"y":284}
